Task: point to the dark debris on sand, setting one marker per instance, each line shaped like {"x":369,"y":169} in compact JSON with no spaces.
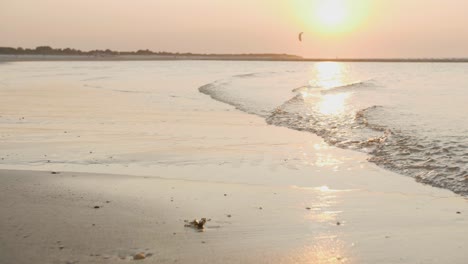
{"x":197,"y":224}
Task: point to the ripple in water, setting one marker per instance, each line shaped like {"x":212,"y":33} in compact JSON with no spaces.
{"x":388,"y":118}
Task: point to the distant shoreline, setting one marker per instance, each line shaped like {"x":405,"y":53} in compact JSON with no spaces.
{"x":240,"y":57}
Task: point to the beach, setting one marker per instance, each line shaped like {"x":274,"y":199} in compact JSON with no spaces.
{"x":101,"y":161}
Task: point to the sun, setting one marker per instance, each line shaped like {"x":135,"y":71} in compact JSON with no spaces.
{"x":332,"y":17}
{"x":331,"y":13}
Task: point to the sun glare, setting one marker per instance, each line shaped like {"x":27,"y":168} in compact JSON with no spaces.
{"x":332,"y":17}
{"x":331,"y":13}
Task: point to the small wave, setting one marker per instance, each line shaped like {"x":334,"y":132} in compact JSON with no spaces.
{"x":207,"y":89}
{"x":114,"y":90}
{"x":425,"y":160}
{"x":211,"y":90}
{"x":435,"y":162}
{"x":335,"y":129}
{"x":337,"y":89}
{"x":369,"y":84}
{"x":440,"y":162}
{"x":361,"y":118}
{"x":253,"y":74}
{"x":301,"y":89}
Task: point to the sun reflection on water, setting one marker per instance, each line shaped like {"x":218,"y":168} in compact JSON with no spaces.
{"x":322,"y":210}
{"x":326,"y":76}
{"x":323,"y":214}
{"x":326,"y":245}
{"x":324,"y":188}
{"x":329,"y":74}
{"x":333,"y":104}
{"x":325,"y":250}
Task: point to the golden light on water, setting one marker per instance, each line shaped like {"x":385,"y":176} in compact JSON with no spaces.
{"x":328,"y":74}
{"x":322,"y":209}
{"x":326,"y":249}
{"x":324,"y":188}
{"x":333,"y":104}
{"x":326,"y":244}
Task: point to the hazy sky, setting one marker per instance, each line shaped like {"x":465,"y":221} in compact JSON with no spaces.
{"x":333,"y":28}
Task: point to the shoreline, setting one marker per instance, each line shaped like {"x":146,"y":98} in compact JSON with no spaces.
{"x":273,"y":195}
{"x":19,"y":58}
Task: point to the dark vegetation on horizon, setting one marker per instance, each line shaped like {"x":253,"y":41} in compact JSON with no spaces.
{"x":110,"y":54}
{"x":46,"y":50}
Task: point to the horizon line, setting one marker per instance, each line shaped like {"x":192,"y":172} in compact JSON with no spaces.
{"x":48,"y":50}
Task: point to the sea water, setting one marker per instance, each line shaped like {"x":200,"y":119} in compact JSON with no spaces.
{"x":411,"y":118}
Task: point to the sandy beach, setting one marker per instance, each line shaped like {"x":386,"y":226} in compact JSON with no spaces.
{"x":51,"y":218}
{"x":108,"y":160}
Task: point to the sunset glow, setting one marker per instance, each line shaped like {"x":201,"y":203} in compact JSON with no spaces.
{"x":331,"y":14}
{"x":331,"y":28}
{"x":332,"y":17}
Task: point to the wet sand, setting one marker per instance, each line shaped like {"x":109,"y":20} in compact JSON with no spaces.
{"x":52,"y":218}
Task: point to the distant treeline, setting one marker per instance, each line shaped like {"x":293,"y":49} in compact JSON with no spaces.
{"x":46,"y":50}
{"x":163,"y":55}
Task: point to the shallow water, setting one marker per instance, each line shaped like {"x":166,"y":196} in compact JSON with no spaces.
{"x":410,"y":117}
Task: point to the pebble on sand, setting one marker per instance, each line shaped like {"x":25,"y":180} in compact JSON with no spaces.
{"x":97,"y":207}
{"x":139,"y":256}
{"x":197,"y":224}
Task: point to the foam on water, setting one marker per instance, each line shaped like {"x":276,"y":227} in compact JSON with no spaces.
{"x":410,"y":118}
